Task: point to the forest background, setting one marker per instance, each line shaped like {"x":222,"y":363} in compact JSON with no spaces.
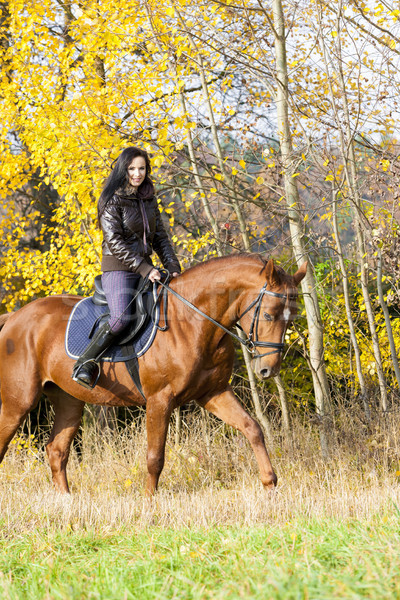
{"x":272,"y":128}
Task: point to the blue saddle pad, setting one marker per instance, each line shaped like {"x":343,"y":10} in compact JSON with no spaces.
{"x":80,"y":323}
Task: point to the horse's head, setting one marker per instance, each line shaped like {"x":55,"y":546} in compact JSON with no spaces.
{"x":265,"y":314}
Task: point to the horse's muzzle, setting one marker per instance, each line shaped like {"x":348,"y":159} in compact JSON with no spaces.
{"x":266,"y":372}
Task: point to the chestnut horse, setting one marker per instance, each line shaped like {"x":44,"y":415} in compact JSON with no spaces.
{"x":191,"y":360}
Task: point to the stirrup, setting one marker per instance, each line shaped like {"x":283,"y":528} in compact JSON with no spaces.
{"x":75,"y":373}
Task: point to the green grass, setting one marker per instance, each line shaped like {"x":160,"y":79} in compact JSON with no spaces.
{"x":324,"y":558}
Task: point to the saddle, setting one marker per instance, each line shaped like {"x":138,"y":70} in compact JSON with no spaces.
{"x":143,"y":308}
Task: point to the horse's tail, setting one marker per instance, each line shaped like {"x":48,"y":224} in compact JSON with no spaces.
{"x":3,"y":319}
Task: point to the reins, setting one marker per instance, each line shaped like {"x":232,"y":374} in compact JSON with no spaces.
{"x":250,"y":343}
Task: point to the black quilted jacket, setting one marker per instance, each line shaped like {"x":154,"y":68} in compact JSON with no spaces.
{"x":123,"y":236}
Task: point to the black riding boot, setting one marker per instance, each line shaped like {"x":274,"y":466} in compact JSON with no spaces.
{"x":86,"y":370}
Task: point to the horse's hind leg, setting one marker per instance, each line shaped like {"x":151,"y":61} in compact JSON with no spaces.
{"x":68,"y":414}
{"x":158,"y":412}
{"x":16,"y":404}
{"x":227,"y":407}
{"x":9,"y":423}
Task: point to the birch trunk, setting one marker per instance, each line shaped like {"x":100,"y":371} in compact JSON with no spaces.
{"x":284,"y":405}
{"x":353,"y":337}
{"x":315,"y":326}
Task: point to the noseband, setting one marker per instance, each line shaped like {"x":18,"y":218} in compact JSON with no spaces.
{"x":250,"y":343}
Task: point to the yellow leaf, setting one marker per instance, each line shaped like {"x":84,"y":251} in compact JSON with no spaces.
{"x":260,"y":180}
{"x":385,"y":164}
{"x":242,"y":164}
{"x":158,"y":161}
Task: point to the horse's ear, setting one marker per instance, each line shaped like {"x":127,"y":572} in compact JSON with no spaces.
{"x":301,"y":273}
{"x":271,"y":274}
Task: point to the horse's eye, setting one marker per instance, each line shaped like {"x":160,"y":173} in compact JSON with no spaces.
{"x":267,"y":317}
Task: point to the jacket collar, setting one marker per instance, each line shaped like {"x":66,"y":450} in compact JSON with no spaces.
{"x":145,"y":191}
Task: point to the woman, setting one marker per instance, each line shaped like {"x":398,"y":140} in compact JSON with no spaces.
{"x":131,"y":224}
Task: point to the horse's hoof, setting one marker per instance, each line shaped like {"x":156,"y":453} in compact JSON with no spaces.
{"x":270,"y":484}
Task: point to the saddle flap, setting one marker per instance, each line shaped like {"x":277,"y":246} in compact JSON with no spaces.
{"x":135,"y":330}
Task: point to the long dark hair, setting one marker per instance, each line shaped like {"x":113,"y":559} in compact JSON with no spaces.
{"x":118,"y":178}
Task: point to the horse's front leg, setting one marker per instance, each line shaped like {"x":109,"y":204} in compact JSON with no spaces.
{"x":158,"y":412}
{"x":227,"y":407}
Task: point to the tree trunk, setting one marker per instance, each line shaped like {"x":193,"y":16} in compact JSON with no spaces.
{"x":315,"y":326}
{"x":353,"y":337}
{"x":284,"y":405}
{"x":178,"y":426}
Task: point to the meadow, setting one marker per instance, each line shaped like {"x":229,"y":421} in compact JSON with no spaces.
{"x":330,"y":530}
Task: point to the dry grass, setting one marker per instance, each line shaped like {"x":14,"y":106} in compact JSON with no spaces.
{"x":210,"y":479}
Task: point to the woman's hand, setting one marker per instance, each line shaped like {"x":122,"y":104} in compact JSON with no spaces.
{"x":154,"y":275}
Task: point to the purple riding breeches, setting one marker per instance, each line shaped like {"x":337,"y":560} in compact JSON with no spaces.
{"x":119,"y":288}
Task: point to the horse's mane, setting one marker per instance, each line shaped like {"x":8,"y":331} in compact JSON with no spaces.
{"x":231,"y":258}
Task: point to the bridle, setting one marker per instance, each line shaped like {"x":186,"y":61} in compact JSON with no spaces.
{"x":252,"y":341}
{"x":252,"y":338}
